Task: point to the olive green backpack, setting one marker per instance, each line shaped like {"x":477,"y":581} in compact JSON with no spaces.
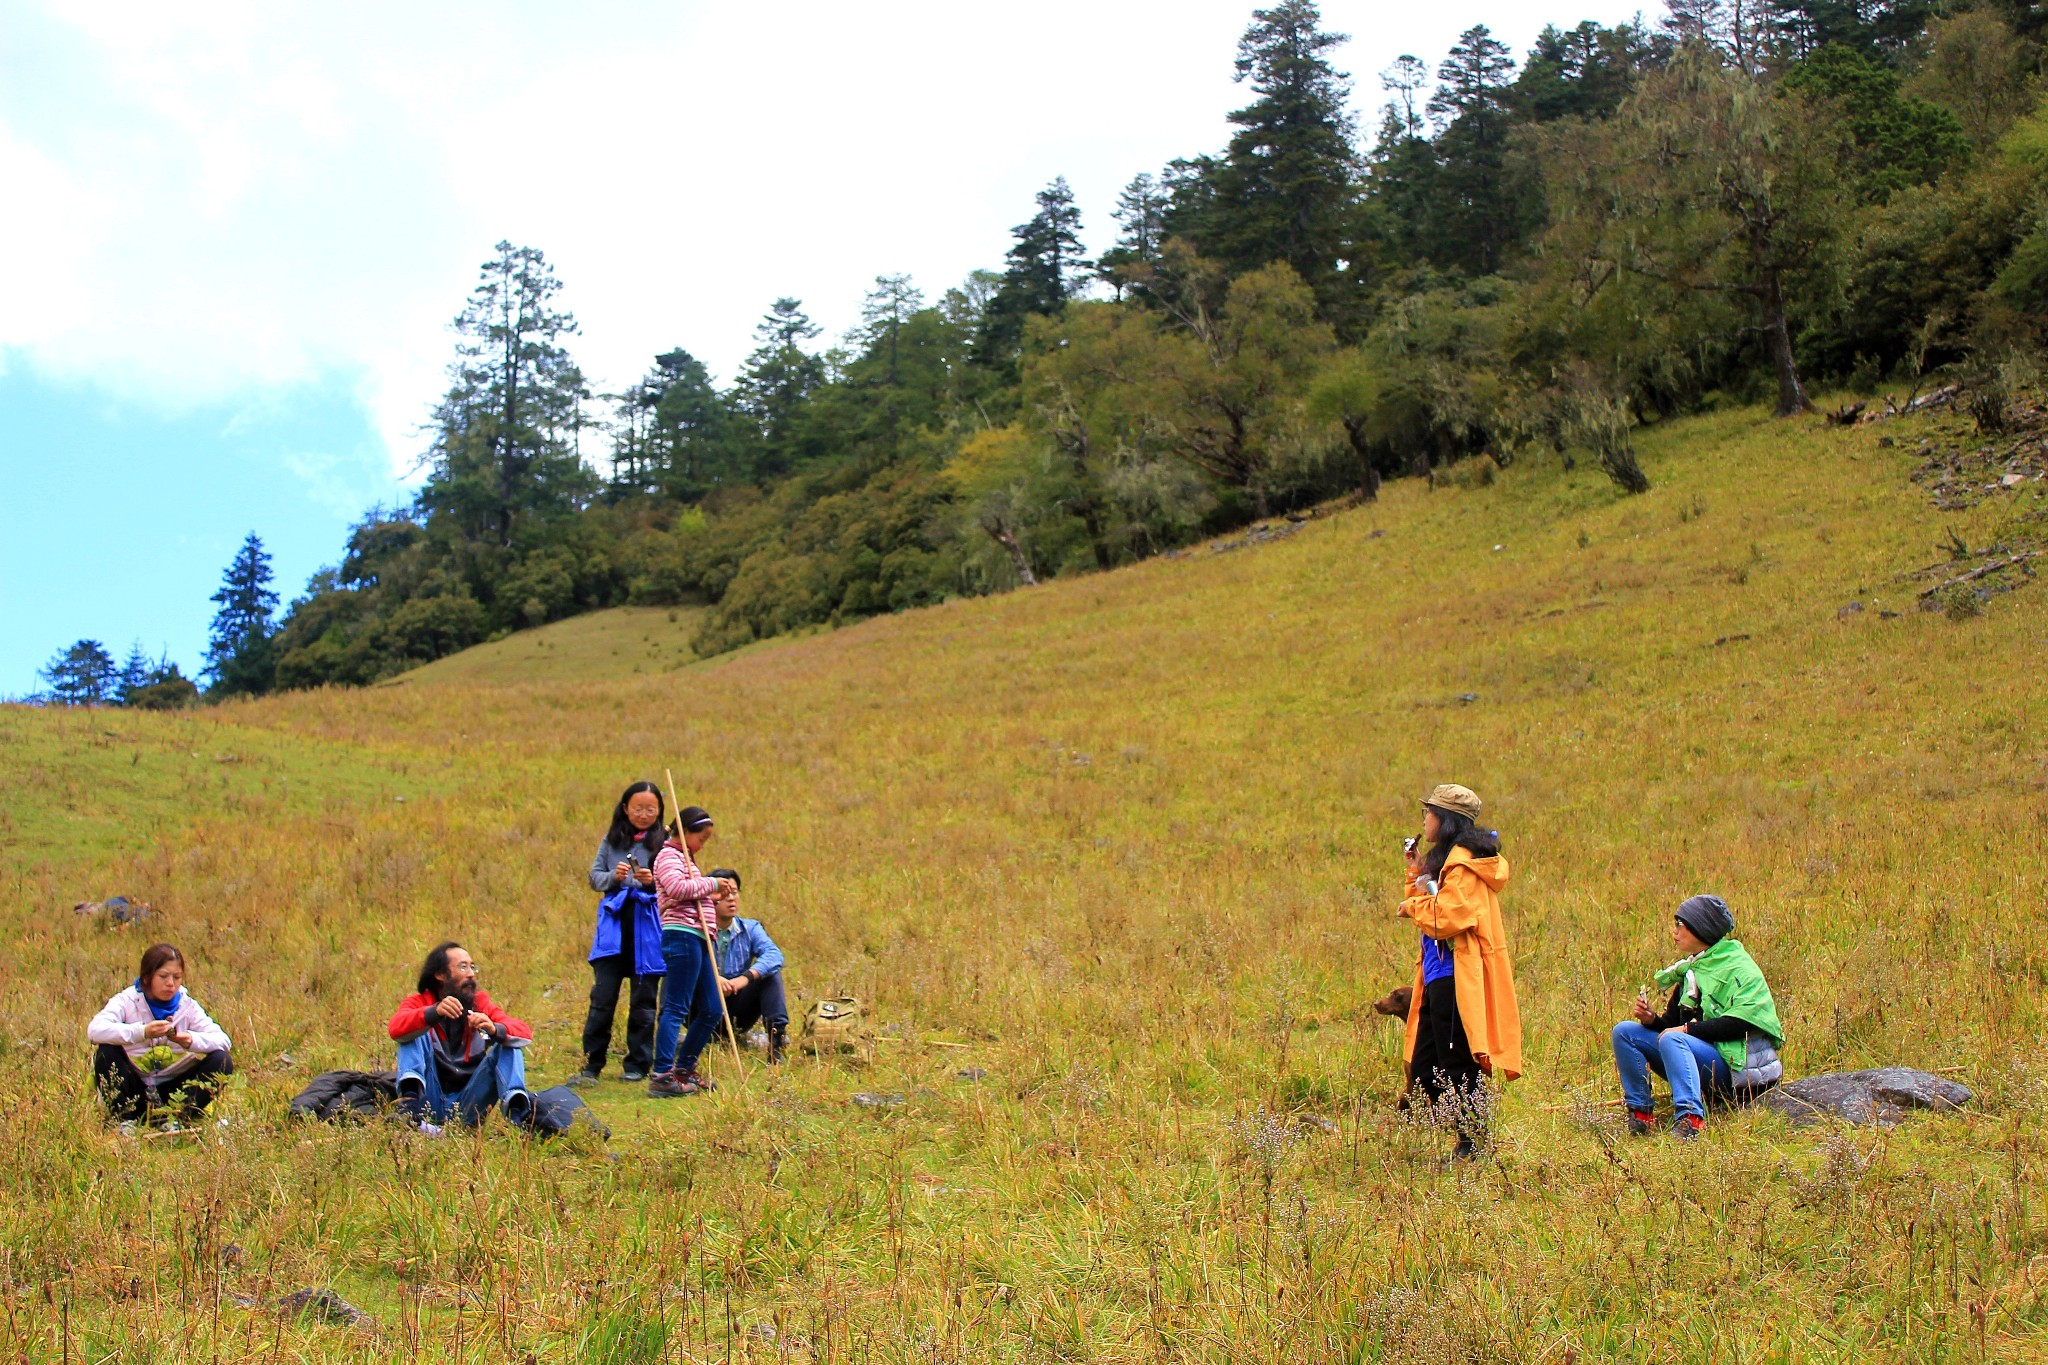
{"x":834,"y":1025}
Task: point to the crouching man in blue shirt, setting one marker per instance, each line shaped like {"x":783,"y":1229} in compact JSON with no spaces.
{"x":750,"y":970}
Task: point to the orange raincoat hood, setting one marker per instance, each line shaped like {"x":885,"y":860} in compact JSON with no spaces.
{"x":1493,"y":871}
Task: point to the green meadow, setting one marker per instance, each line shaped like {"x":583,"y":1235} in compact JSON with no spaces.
{"x":1113,"y":863}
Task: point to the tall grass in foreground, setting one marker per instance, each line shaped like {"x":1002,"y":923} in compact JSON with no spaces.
{"x":1132,"y":840}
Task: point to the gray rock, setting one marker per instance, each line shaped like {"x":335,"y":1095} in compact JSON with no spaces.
{"x":1883,"y":1096}
{"x":326,"y":1305}
{"x":972,"y":1073}
{"x":871,"y":1099}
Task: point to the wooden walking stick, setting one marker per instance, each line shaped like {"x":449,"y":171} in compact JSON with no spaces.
{"x":710,"y":946}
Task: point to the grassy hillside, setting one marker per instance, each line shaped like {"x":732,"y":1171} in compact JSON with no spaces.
{"x":1133,"y":841}
{"x":603,"y":644}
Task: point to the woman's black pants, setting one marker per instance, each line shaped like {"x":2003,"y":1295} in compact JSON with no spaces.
{"x":643,"y":1003}
{"x":1444,"y":1064}
{"x":128,"y":1096}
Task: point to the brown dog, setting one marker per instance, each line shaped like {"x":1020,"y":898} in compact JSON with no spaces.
{"x":1395,"y":1006}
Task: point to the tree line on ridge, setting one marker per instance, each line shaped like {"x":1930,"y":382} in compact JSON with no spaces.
{"x":1734,"y":204}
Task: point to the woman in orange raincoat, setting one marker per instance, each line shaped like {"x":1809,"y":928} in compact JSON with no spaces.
{"x":1463,"y":1023}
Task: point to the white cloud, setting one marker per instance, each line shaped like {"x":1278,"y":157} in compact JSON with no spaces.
{"x":209,"y":200}
{"x":340,"y":484}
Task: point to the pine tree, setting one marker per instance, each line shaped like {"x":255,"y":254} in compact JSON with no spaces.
{"x":1402,"y":171}
{"x":1793,"y":29}
{"x":888,"y":306}
{"x":902,"y":371}
{"x":1046,"y":268}
{"x":1471,"y":105}
{"x":1702,"y":21}
{"x":1583,"y":72}
{"x":1404,"y":78}
{"x":1285,"y":188}
{"x":1140,"y":213}
{"x":1189,"y":187}
{"x":673,"y":432}
{"x":506,"y":435}
{"x":83,"y":675}
{"x":135,"y":675}
{"x":239,"y":657}
{"x":1901,"y":141}
{"x":694,"y":437}
{"x":775,"y":382}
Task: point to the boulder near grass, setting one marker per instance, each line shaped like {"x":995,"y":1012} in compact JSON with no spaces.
{"x":1883,"y":1096}
{"x":1158,"y":960}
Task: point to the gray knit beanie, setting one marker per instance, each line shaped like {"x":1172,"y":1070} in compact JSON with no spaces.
{"x":1707,"y":916}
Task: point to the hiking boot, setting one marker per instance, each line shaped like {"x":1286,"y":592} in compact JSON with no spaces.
{"x":778,"y":1043}
{"x":696,"y":1083}
{"x":1686,"y":1127}
{"x":632,"y":1077}
{"x":666,"y":1086}
{"x":1466,"y":1150}
{"x":1641,"y":1122}
{"x":583,"y":1079}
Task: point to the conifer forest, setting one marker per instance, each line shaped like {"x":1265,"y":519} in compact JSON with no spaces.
{"x":1543,"y":251}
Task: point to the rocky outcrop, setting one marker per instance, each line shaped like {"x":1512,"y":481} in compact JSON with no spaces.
{"x":1882,"y":1096}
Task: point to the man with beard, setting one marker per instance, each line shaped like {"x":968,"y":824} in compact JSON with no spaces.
{"x":457,"y":1051}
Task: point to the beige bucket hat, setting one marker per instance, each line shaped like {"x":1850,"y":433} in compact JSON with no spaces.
{"x":1452,"y":797}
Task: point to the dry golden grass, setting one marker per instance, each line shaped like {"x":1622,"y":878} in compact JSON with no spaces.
{"x":602,"y":644}
{"x":1133,"y":839}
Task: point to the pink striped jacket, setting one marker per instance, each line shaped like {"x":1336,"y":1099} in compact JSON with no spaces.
{"x":683,"y":894}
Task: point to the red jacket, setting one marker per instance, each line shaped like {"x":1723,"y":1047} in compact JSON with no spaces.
{"x":416,"y":1015}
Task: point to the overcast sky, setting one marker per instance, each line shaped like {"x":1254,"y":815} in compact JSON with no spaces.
{"x":235,"y":232}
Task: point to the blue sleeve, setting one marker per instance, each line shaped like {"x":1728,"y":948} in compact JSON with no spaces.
{"x":767,"y":957}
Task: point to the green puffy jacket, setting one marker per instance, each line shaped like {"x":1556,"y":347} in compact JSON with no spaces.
{"x":1722,"y":981}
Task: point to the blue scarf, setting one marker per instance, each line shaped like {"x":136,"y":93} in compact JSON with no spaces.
{"x":161,"y":1009}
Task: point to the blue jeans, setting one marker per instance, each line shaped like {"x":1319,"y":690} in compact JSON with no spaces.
{"x":500,"y":1077}
{"x":1680,"y":1058}
{"x":690,"y":991}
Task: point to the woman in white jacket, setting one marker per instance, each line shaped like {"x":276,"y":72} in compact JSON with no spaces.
{"x":157,"y":1049}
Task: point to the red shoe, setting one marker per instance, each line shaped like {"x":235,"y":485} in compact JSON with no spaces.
{"x":1641,"y":1122}
{"x":1686,"y":1127}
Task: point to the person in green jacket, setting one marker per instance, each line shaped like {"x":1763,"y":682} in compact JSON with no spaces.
{"x":1719,"y":1033}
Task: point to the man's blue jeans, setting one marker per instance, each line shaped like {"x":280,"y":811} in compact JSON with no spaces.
{"x":500,"y":1078}
{"x":1680,"y":1058}
{"x":690,"y":991}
